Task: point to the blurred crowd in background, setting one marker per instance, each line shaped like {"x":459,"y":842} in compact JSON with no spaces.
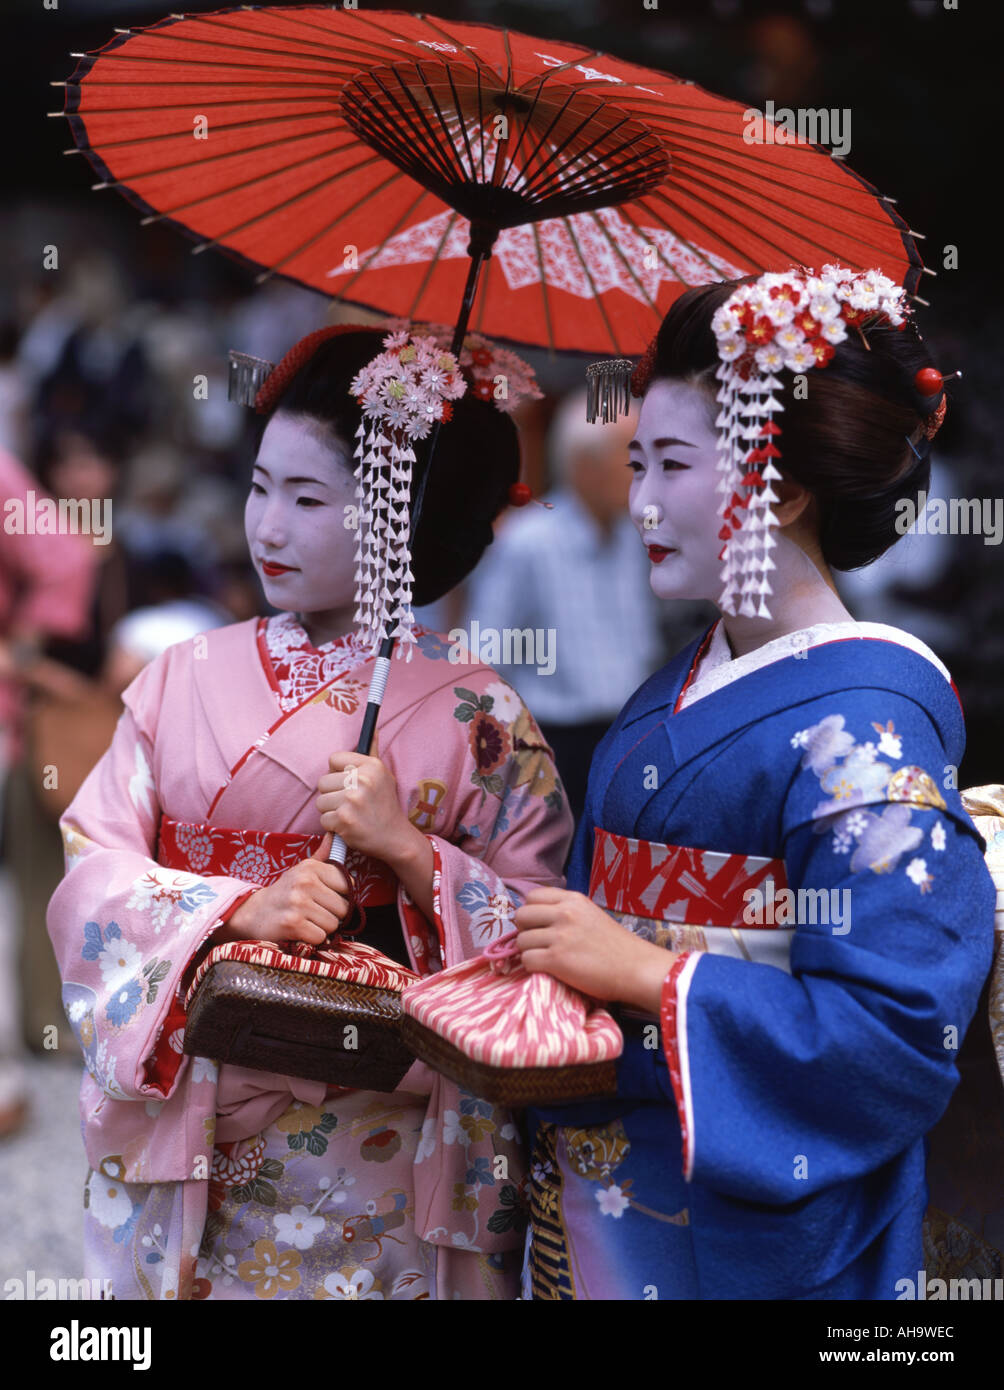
{"x":97,"y":362}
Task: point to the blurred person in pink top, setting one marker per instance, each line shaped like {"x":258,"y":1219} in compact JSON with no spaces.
{"x":46,"y":583}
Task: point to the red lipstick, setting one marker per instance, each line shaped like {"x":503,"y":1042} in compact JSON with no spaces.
{"x":270,"y":568}
{"x":657,"y":553}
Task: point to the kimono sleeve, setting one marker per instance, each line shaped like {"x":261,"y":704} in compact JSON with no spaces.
{"x":507,"y":825}
{"x":790,"y":1084}
{"x":125,"y":929}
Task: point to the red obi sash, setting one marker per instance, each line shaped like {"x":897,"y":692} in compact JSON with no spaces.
{"x":261,"y":857}
{"x":676,"y":883}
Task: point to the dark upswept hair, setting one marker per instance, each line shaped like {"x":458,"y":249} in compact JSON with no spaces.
{"x":476,"y":459}
{"x":848,"y":441}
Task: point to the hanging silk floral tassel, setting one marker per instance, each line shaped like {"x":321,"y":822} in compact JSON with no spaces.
{"x":793,"y":321}
{"x":404,"y":391}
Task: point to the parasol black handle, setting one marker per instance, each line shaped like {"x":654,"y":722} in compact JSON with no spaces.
{"x":480,"y":249}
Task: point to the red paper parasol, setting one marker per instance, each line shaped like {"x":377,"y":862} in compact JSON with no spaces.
{"x":365,"y":155}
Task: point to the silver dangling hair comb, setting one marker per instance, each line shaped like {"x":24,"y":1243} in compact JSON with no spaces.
{"x":608,"y":389}
{"x":246,"y":377}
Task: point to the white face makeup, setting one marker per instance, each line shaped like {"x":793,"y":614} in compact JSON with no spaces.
{"x":673,"y":500}
{"x":295,"y":514}
{"x":674,"y":504}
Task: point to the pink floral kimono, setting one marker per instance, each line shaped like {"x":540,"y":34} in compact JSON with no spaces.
{"x":214,"y":1181}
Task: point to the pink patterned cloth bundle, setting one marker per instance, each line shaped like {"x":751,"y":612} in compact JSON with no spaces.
{"x":511,"y":1035}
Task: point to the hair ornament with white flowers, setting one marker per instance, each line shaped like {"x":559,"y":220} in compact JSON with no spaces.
{"x":792,"y":320}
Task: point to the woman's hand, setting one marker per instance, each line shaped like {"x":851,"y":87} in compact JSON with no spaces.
{"x":306,"y":904}
{"x":569,"y":937}
{"x":359,"y":800}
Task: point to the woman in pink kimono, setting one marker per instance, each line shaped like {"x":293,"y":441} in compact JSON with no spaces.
{"x":204,"y":824}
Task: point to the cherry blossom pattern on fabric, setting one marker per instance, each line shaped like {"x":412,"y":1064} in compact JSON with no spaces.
{"x":854,"y":775}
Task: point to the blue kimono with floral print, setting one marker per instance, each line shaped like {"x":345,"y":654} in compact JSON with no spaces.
{"x":806,"y":1096}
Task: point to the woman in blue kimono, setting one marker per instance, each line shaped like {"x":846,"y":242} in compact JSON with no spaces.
{"x":774,"y":816}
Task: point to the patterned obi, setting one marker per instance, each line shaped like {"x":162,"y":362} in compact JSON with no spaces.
{"x":261,"y":857}
{"x":694,"y":899}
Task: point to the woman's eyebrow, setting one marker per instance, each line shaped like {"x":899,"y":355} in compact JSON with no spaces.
{"x":664,"y":444}
{"x":318,"y":482}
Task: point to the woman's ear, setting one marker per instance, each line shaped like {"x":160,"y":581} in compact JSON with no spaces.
{"x":793,"y":499}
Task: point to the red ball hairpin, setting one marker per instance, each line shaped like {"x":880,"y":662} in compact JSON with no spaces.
{"x":520,"y":494}
{"x":928,"y":382}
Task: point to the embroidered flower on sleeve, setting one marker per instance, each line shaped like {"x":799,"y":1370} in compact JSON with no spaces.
{"x":611,"y":1201}
{"x":477,"y":1127}
{"x":480,"y":1171}
{"x":914,"y":785}
{"x":890,"y":743}
{"x":854,"y":778}
{"x":491,"y":913}
{"x":858,"y":778}
{"x":165,"y":893}
{"x":824,"y":742}
{"x":885,"y":839}
{"x":843,"y":840}
{"x":141,"y":786}
{"x":427,"y":1142}
{"x":490,"y":743}
{"x":452,"y":1133}
{"x":506,"y":704}
{"x":124,"y":1003}
{"x":916,"y":871}
{"x":119,"y":961}
{"x":464,"y":1198}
